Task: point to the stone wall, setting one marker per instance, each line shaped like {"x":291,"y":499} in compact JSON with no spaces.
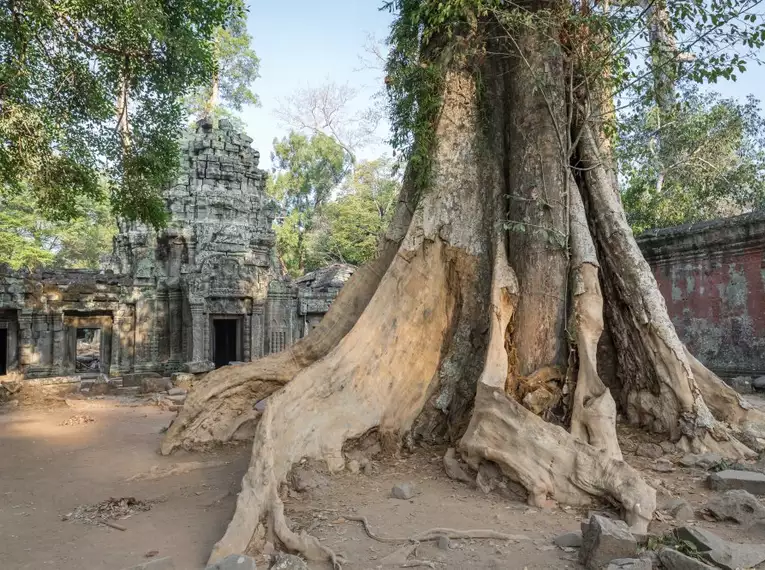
{"x":208,"y":287}
{"x":712,"y":276}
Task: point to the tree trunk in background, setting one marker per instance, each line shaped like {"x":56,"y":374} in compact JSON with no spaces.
{"x":486,"y":300}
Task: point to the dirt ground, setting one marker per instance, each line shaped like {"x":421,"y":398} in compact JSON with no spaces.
{"x":48,"y":469}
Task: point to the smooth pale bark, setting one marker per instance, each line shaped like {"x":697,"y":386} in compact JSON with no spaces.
{"x":458,"y":321}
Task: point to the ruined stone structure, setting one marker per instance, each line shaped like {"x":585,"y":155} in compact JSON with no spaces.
{"x":208,"y":287}
{"x":712,"y":276}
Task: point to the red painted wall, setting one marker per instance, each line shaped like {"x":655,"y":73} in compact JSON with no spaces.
{"x":712,"y":276}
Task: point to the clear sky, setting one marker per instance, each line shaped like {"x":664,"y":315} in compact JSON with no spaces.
{"x":305,"y":43}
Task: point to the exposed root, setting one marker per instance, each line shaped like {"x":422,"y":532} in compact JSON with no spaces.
{"x":222,"y":404}
{"x":436,"y":533}
{"x":548,"y":461}
{"x":334,"y":400}
{"x":660,"y":390}
{"x":593,"y":417}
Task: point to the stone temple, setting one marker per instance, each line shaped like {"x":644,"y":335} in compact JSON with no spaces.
{"x":205,"y":291}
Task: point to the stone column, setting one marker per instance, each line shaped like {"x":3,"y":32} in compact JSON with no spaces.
{"x":175,"y":319}
{"x":26,"y":343}
{"x":256,"y":332}
{"x":59,"y":343}
{"x":198,"y":332}
{"x":246,"y":336}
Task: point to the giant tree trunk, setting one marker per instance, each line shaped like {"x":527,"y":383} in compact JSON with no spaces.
{"x":485,"y":300}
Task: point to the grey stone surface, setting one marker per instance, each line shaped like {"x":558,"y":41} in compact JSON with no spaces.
{"x":453,"y":468}
{"x":569,"y":540}
{"x":235,"y":562}
{"x":152,"y":384}
{"x":605,"y":539}
{"x":402,"y":491}
{"x":742,"y":384}
{"x":288,"y":562}
{"x":176,"y":392}
{"x":157,"y":302}
{"x":198,"y":367}
{"x":702,"y":461}
{"x":737,"y":505}
{"x":650,"y":450}
{"x":759,"y":383}
{"x":751,"y":481}
{"x":720,"y":552}
{"x":630,"y":564}
{"x":671,"y":559}
{"x":165,"y":563}
{"x":443,"y":542}
{"x":680,"y":509}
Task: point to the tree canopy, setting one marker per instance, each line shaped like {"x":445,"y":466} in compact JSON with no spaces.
{"x":229,"y":88}
{"x":307,"y":169}
{"x":30,"y":241}
{"x":710,"y":163}
{"x":92,"y":89}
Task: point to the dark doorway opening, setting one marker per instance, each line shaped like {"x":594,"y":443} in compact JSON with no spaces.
{"x":88,"y":353}
{"x":3,"y":352}
{"x":225,"y":347}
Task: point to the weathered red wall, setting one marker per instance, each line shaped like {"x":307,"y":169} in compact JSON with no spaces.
{"x":712,"y":276}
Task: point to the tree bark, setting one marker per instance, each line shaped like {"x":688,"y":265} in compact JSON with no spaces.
{"x":462,"y":330}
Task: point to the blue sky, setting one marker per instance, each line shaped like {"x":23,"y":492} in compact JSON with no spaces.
{"x":305,"y":43}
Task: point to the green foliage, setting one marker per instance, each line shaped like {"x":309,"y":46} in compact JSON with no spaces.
{"x":64,"y":66}
{"x":307,"y":169}
{"x":237,"y":67}
{"x":415,"y":74}
{"x":348,"y":229}
{"x":29,"y":241}
{"x":712,"y":158}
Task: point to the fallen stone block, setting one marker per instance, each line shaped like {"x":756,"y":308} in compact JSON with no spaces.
{"x":673,"y":560}
{"x":182,"y":379}
{"x":604,"y":540}
{"x":650,"y":450}
{"x":759,"y":383}
{"x":737,"y":505}
{"x":680,"y":509}
{"x":702,"y":461}
{"x":234,"y":562}
{"x":720,"y":552}
{"x":151,"y":384}
{"x":288,"y":562}
{"x":742,"y":384}
{"x":402,"y":491}
{"x":751,"y":481}
{"x":568,"y":540}
{"x":131,"y":380}
{"x":165,"y":563}
{"x":199,"y":367}
{"x":453,"y":469}
{"x":630,"y":564}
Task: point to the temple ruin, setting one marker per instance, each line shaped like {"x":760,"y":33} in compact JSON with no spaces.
{"x":205,"y":291}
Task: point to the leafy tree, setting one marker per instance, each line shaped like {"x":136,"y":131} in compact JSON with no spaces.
{"x":710,"y":161}
{"x":479,"y":324}
{"x":307,"y":169}
{"x":30,"y":241}
{"x":349,"y":227}
{"x":92,"y":88}
{"x":328,"y":109}
{"x":237,"y":67}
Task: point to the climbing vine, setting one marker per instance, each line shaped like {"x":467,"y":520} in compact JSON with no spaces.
{"x":424,"y":38}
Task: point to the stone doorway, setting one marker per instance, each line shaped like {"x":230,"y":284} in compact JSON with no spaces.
{"x":3,"y":352}
{"x":226,"y":340}
{"x":87,"y":357}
